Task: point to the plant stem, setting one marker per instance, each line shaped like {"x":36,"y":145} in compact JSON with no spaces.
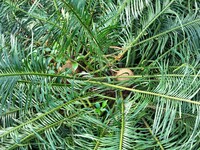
{"x":157,"y":140}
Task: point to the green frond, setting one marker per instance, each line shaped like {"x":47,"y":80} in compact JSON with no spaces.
{"x":85,"y":106}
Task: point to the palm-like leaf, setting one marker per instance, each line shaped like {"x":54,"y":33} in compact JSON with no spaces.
{"x":158,"y":108}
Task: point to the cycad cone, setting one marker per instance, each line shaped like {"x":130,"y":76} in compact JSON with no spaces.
{"x":123,"y":72}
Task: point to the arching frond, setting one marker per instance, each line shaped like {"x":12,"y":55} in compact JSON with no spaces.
{"x":84,"y":106}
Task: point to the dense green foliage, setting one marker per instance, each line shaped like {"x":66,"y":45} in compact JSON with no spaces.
{"x":43,"y":109}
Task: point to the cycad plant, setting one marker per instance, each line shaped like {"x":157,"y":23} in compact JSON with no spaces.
{"x":59,"y":89}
